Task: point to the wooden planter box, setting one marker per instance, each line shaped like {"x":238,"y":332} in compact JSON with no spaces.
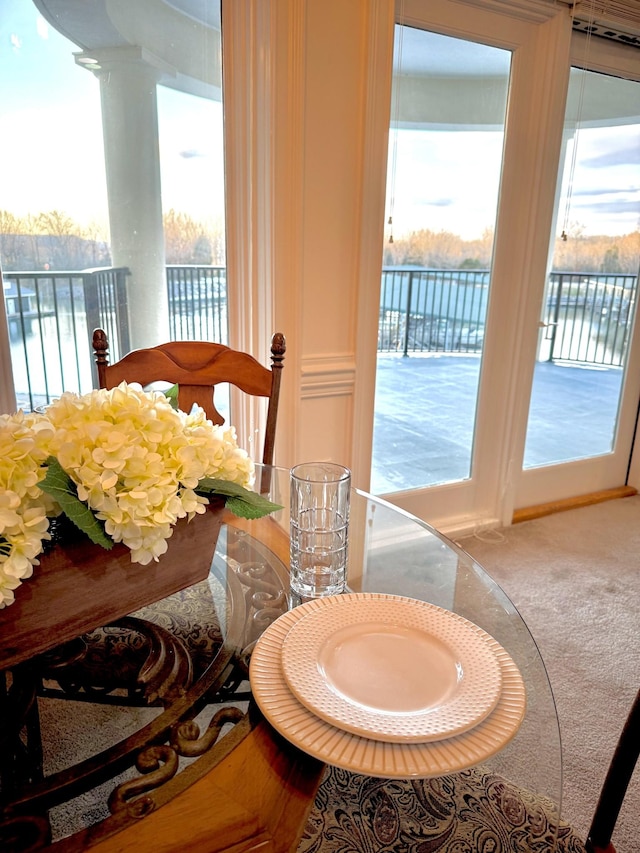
{"x":80,"y":586}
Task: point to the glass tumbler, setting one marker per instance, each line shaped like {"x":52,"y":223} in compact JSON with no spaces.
{"x":319,"y":508}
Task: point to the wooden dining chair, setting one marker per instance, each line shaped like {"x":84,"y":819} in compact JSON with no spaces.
{"x":196,"y":368}
{"x":453,"y":812}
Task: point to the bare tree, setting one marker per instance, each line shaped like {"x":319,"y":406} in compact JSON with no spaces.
{"x":11,"y":227}
{"x":578,"y":253}
{"x":64,"y":248}
{"x":181,"y":235}
{"x":188,"y":241}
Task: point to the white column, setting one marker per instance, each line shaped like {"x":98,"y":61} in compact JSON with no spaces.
{"x":131,"y":151}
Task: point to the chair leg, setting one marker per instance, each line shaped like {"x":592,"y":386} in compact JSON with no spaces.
{"x":615,"y":784}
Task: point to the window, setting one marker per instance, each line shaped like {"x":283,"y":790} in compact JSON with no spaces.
{"x":113,"y":189}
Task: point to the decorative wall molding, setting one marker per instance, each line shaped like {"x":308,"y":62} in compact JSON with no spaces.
{"x":288,"y":152}
{"x":328,"y":376}
{"x":264,"y":45}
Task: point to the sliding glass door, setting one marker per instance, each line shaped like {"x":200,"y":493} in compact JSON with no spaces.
{"x":506,"y":366}
{"x":475,"y":137}
{"x":445,"y":162}
{"x":582,"y":414}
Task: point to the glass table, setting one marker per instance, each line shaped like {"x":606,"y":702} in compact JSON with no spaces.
{"x":113,"y":753}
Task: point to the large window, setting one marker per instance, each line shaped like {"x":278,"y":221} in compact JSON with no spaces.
{"x":112,"y":210}
{"x":445,"y":159}
{"x":592,"y":290}
{"x":469,"y":285}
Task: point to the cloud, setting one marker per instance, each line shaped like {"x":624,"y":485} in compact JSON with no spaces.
{"x":16,"y":41}
{"x":626,"y":155}
{"x":606,"y":191}
{"x":625,"y":206}
{"x":42,"y":27}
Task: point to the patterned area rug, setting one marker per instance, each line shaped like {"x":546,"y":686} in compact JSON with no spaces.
{"x":469,"y":812}
{"x":574,"y":577}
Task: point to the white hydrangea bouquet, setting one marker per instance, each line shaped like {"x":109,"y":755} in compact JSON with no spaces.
{"x":123,"y":465}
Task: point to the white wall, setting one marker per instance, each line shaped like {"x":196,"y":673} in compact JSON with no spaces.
{"x":300,"y":198}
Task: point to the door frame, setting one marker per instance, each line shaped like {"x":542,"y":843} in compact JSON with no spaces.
{"x":539,"y":36}
{"x":621,"y":466}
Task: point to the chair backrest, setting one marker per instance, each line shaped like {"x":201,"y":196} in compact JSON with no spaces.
{"x":615,"y":784}
{"x":196,"y":367}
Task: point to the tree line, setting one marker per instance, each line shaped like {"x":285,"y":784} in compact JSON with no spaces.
{"x":578,"y":253}
{"x":53,"y":240}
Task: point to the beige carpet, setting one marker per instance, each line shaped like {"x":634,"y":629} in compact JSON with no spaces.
{"x":575,"y":578}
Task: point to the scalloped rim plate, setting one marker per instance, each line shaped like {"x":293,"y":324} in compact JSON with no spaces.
{"x":392,"y":669}
{"x":358,"y":754}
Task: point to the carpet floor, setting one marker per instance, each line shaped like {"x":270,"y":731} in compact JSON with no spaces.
{"x":575,"y":578}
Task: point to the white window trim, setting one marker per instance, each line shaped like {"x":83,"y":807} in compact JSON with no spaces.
{"x":7,"y":391}
{"x":263,"y":73}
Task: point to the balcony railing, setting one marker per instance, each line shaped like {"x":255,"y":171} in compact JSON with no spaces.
{"x":197,"y":303}
{"x":52,"y":316}
{"x":425,"y":311}
{"x":432,"y":310}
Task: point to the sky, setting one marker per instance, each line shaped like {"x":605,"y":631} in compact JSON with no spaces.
{"x":52,"y":155}
{"x":51,"y":147}
{"x":448,"y":181}
{"x":606,"y":184}
{"x":444,"y":181}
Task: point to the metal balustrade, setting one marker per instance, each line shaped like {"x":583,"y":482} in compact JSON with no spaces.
{"x":198,"y":303}
{"x":432,"y":310}
{"x":587,"y":317}
{"x":52,"y":315}
{"x":427,"y":311}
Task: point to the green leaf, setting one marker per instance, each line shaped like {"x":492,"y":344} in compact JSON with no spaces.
{"x":172,"y":396}
{"x":240,"y":501}
{"x":60,"y":486}
{"x":246,"y":509}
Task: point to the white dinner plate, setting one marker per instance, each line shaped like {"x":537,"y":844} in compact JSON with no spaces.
{"x":390,"y":668}
{"x":384,"y":759}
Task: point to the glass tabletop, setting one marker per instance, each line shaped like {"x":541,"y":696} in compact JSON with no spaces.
{"x":393,"y":552}
{"x":104,"y":700}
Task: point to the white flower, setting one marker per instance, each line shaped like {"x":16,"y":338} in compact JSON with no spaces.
{"x":23,"y":506}
{"x":136,"y":461}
